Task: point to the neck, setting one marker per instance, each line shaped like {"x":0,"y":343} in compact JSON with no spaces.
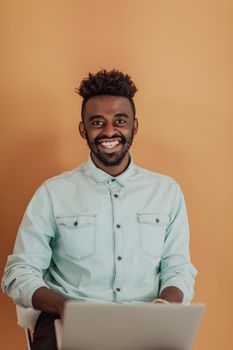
{"x":112,"y":170}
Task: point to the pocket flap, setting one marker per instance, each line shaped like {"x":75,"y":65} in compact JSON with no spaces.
{"x":153,"y":219}
{"x":75,"y":221}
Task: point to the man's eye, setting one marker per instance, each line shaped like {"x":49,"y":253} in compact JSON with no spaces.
{"x":120,"y":122}
{"x":97,"y":123}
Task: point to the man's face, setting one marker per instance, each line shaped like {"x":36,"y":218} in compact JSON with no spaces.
{"x":109,"y":127}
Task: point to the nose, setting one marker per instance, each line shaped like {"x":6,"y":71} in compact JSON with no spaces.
{"x":109,"y":129}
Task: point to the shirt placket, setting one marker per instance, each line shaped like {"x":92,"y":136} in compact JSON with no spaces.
{"x":116,"y":196}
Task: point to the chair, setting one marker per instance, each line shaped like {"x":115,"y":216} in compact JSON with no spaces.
{"x":26,"y":318}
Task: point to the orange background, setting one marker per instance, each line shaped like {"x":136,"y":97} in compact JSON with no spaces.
{"x":180,"y":55}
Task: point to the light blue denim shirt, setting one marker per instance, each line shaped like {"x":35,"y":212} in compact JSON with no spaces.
{"x":92,"y":237}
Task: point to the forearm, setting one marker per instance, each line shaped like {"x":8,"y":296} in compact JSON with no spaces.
{"x":46,"y":300}
{"x":172,"y":295}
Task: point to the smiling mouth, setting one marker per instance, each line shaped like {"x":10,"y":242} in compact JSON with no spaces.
{"x":109,"y":144}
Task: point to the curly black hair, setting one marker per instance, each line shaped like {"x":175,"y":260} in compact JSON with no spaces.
{"x":113,"y":82}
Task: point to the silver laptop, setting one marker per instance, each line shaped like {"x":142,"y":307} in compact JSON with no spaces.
{"x":128,"y":326}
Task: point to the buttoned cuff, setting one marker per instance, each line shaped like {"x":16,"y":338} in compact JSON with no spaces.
{"x":27,"y":291}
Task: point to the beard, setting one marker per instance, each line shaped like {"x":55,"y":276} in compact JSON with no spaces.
{"x":113,"y":158}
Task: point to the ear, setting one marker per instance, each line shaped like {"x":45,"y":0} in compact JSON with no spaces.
{"x":82,"y":130}
{"x":135,"y":126}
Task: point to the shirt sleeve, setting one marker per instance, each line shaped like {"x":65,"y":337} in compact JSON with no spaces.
{"x":32,"y":253}
{"x":176,"y":268}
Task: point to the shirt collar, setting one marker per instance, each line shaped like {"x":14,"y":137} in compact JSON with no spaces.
{"x":102,"y":177}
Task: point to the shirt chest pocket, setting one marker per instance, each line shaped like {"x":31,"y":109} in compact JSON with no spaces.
{"x":152,"y":230}
{"x":78,"y":236}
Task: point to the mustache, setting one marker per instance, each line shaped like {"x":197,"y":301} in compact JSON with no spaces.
{"x":115,"y":136}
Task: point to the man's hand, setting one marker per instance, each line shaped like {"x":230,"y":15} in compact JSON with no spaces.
{"x":44,"y":299}
{"x":169,"y":295}
{"x":160,"y":301}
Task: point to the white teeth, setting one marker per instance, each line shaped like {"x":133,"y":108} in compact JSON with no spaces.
{"x":109,"y":144}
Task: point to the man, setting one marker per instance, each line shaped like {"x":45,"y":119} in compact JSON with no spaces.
{"x":106,"y":231}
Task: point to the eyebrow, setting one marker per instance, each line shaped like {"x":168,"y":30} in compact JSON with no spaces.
{"x":121,"y":115}
{"x":115,"y":115}
{"x":95,"y":116}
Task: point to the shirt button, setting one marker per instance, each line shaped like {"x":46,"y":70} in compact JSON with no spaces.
{"x":118,"y":289}
{"x":113,"y":180}
{"x":157,"y":220}
{"x":118,"y":226}
{"x":119,"y":258}
{"x":116,"y":195}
